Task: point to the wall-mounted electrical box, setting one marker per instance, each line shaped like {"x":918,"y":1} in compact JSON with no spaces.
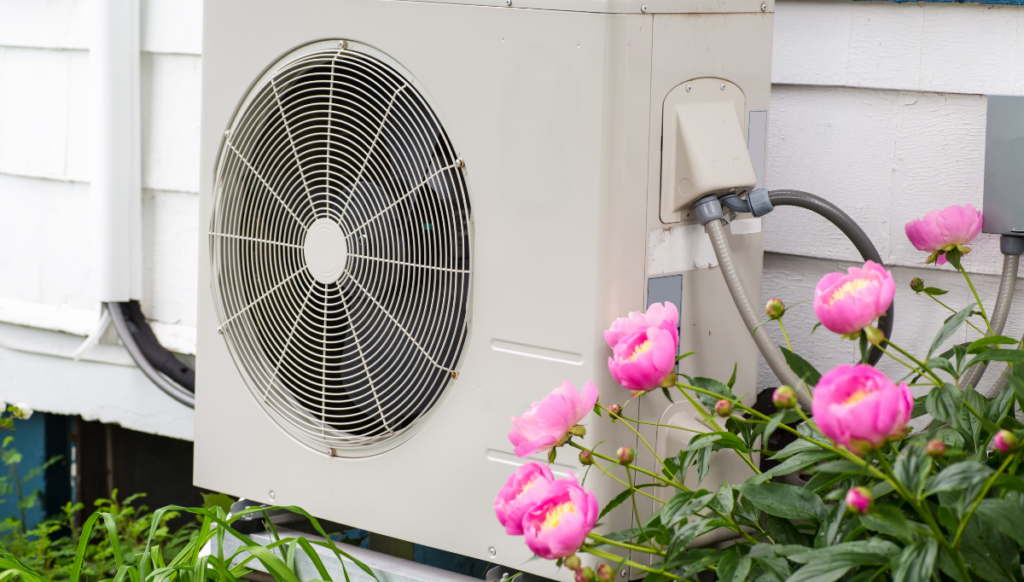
{"x":1004,"y":166}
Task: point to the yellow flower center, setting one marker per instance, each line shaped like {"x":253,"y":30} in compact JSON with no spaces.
{"x":640,"y":349}
{"x":527,"y":486}
{"x":555,"y":515}
{"x":848,"y":288}
{"x":856,"y":397}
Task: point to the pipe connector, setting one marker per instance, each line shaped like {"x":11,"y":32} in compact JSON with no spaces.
{"x":760,"y":202}
{"x":1011,"y":245}
{"x":708,"y":209}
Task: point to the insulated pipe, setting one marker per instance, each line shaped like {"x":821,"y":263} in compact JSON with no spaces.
{"x":1011,"y":246}
{"x":771,"y":352}
{"x":116,"y":187}
{"x":122,"y":324}
{"x":999,"y":314}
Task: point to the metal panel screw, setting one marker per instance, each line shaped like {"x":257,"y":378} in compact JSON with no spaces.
{"x":643,"y":8}
{"x":227,"y":133}
{"x":459,"y":163}
{"x":455,"y":375}
{"x":343,"y":45}
{"x":764,"y":7}
{"x":492,"y":552}
{"x":220,"y":330}
{"x":623,"y":573}
{"x":688,"y":88}
{"x":272,"y":495}
{"x":508,"y":2}
{"x":722,"y":86}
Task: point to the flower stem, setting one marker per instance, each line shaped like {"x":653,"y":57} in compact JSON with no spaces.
{"x":647,"y":444}
{"x":978,"y":299}
{"x":630,"y":563}
{"x":954,"y":311}
{"x":784,"y":334}
{"x":981,"y":496}
{"x":603,"y":540}
{"x":634,"y":467}
{"x":922,"y":365}
{"x":914,"y":368}
{"x":708,"y":417}
{"x":612,"y":475}
{"x":648,"y":423}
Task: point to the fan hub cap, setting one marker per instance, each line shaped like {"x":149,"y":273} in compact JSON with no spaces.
{"x":325,"y":250}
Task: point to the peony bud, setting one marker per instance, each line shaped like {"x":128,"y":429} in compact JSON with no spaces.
{"x":585,"y":574}
{"x":586,"y":458}
{"x":874,"y":335}
{"x":723,"y":408}
{"x":916,"y":285}
{"x":573,"y":562}
{"x":935,"y":449}
{"x":615,"y":409}
{"x":784,"y":397}
{"x":22,"y":411}
{"x":605,"y":573}
{"x":775,"y":308}
{"x":858,"y":499}
{"x":625,"y":455}
{"x":1005,"y":441}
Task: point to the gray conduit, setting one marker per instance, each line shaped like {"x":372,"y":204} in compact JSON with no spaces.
{"x":999,"y":314}
{"x":120,"y":322}
{"x":771,"y":352}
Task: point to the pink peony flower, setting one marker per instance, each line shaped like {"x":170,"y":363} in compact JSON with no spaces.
{"x":641,"y":361}
{"x":942,"y":230}
{"x":661,"y":315}
{"x":859,"y":407}
{"x":547,"y":423}
{"x":848,"y":303}
{"x":858,"y":499}
{"x":559,"y":523}
{"x":1005,"y":441}
{"x":521,"y":492}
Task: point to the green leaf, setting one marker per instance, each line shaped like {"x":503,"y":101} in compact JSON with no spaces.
{"x":784,"y":532}
{"x":994,"y":557}
{"x":668,"y":395}
{"x":942,"y":364}
{"x":997,"y":356}
{"x":934,"y":291}
{"x":944,"y":403}
{"x":957,"y":476}
{"x":697,"y":502}
{"x":617,"y":501}
{"x":1011,"y":482}
{"x":1005,"y":515}
{"x":979,"y":344}
{"x":917,"y":562}
{"x":211,"y":500}
{"x":734,"y":566}
{"x":688,"y":532}
{"x":802,"y":368}
{"x":710,"y":385}
{"x":890,"y":521}
{"x":723,"y":501}
{"x":792,"y":464}
{"x":732,"y":379}
{"x":840,"y":467}
{"x":797,"y":446}
{"x":912,"y":467}
{"x":787,"y":501}
{"x":948,"y":329}
{"x":874,"y":552}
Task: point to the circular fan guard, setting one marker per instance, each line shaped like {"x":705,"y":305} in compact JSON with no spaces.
{"x":340,"y":245}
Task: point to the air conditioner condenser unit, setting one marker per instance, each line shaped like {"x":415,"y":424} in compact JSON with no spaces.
{"x":418,"y":217}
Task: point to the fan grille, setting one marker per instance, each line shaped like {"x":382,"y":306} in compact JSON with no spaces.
{"x":340,"y":245}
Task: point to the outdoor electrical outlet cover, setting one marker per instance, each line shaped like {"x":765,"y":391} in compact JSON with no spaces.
{"x":705,"y":147}
{"x":1003,"y":204}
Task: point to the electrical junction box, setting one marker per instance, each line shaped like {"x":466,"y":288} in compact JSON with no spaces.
{"x":417,"y":218}
{"x":1003,"y":208}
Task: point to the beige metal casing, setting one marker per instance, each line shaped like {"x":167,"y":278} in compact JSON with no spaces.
{"x":558,"y":116}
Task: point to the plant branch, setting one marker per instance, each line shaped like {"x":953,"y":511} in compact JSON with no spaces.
{"x":981,"y":496}
{"x":629,"y":466}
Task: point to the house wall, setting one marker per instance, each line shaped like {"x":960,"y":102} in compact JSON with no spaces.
{"x":876,"y":106}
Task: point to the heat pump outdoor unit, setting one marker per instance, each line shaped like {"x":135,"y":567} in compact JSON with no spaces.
{"x":417,"y":217}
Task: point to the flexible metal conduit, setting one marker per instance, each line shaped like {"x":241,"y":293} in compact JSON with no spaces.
{"x":771,"y":352}
{"x":141,"y":344}
{"x":999,"y":314}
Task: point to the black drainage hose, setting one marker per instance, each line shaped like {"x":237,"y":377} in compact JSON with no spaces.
{"x":170,"y":375}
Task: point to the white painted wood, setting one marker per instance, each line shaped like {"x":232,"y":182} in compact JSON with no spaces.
{"x":169,"y":228}
{"x":170,"y":122}
{"x":168,"y":26}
